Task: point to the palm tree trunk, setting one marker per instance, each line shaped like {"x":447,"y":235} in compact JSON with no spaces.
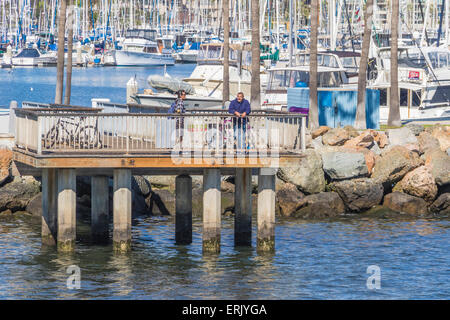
{"x":360,"y":121}
{"x":394,"y":106}
{"x":69,"y":57}
{"x":226,"y":51}
{"x":313,"y":98}
{"x":255,"y":96}
{"x":60,"y":63}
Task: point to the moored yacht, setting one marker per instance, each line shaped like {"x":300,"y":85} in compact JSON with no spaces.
{"x":31,"y":57}
{"x":330,"y":73}
{"x":206,"y":79}
{"x":140,"y":49}
{"x":423,"y":75}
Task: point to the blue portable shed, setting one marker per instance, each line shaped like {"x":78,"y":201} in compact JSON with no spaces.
{"x":337,"y":106}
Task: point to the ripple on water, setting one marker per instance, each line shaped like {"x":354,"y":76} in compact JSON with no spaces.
{"x":313,"y":260}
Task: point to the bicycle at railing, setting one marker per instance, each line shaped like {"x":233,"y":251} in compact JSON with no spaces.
{"x":79,"y":134}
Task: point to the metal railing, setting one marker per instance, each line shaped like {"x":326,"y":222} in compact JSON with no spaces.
{"x":76,"y":130}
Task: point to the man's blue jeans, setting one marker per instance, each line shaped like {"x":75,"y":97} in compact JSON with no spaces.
{"x":240,"y":130}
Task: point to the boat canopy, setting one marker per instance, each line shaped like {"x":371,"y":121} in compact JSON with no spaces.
{"x":29,"y":53}
{"x":169,"y":84}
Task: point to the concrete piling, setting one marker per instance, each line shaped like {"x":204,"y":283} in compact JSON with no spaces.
{"x":211,"y":211}
{"x":122,"y":210}
{"x":67,"y":200}
{"x":243,"y":207}
{"x":49,"y":207}
{"x":183,"y":209}
{"x":99,"y":208}
{"x":266,"y":211}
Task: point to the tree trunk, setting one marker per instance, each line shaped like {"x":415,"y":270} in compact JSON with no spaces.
{"x":360,"y":121}
{"x":60,"y":63}
{"x":226,"y":51}
{"x":394,"y":107}
{"x":255,"y":98}
{"x":69,"y":56}
{"x":313,"y":108}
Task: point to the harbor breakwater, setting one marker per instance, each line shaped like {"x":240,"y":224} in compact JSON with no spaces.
{"x":343,"y":171}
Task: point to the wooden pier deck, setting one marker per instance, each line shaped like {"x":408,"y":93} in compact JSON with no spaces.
{"x":59,"y":143}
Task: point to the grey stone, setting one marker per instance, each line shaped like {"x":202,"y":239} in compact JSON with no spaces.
{"x":344,"y":165}
{"x":16,"y":195}
{"x":359,"y":194}
{"x":306,"y":174}
{"x":320,"y":205}
{"x":401,"y":136}
{"x":441,"y":205}
{"x":288,"y":198}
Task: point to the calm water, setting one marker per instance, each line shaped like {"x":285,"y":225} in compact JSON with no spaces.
{"x":313,"y":260}
{"x":38,"y":84}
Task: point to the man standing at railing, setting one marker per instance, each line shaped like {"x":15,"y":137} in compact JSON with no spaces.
{"x":240,"y":108}
{"x":179,"y":108}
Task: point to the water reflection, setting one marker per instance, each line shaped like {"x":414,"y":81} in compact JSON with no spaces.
{"x":313,"y":259}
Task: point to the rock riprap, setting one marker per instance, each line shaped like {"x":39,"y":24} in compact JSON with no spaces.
{"x":441,"y":205}
{"x":288,"y":197}
{"x":359,"y":194}
{"x":419,"y":183}
{"x":306,"y":174}
{"x":340,"y":165}
{"x":320,"y":205}
{"x":401,"y":136}
{"x":439,"y":164}
{"x":16,"y":195}
{"x":394,"y":164}
{"x":402,"y":202}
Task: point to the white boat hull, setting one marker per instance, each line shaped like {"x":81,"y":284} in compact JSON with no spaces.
{"x":191,"y":102}
{"x":188,"y":56}
{"x":33,"y":62}
{"x":130,"y":58}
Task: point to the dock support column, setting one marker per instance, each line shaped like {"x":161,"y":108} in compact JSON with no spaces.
{"x":266,"y":210}
{"x":122,"y":210}
{"x":183,"y":209}
{"x":243,"y":207}
{"x":99,"y":208}
{"x":49,"y":207}
{"x":211,"y":211}
{"x":67,"y":201}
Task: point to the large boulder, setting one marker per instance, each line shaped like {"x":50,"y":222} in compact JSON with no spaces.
{"x":5,"y":162}
{"x":320,"y":205}
{"x":439,"y":163}
{"x":402,"y":202}
{"x":393,"y":164}
{"x":288,"y":197}
{"x":306,"y":174}
{"x":441,"y":205}
{"x":442,"y":134}
{"x":380,"y":138}
{"x":16,"y":195}
{"x":427,"y":142}
{"x":359,"y":194}
{"x":320,"y":131}
{"x":352,"y":132}
{"x":34,"y":206}
{"x":340,"y":165}
{"x":365,"y":140}
{"x":419,"y":183}
{"x":336,"y":137}
{"x":141,"y":185}
{"x":401,"y":136}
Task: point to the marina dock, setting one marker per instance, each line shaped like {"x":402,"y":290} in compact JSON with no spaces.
{"x":61,"y":142}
